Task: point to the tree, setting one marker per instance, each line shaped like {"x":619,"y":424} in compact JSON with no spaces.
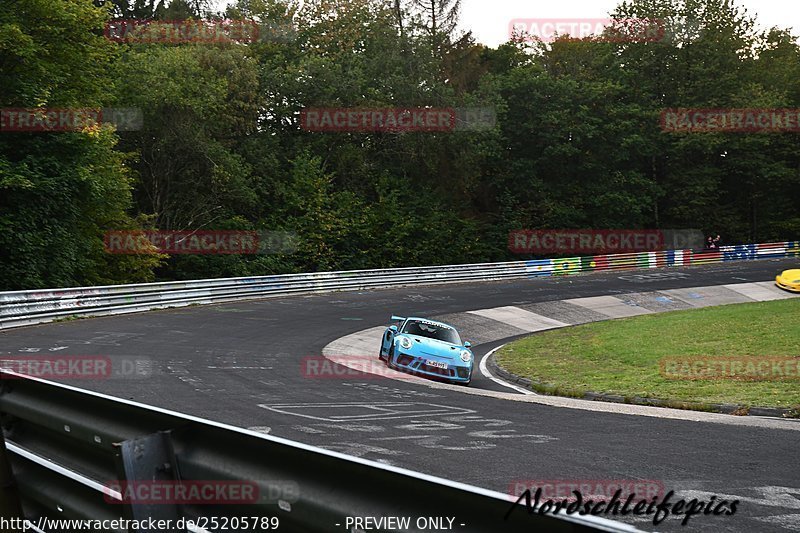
{"x":441,"y":16}
{"x":60,"y":190}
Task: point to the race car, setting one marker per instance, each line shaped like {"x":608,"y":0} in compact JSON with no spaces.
{"x":789,"y":280}
{"x":428,"y":348}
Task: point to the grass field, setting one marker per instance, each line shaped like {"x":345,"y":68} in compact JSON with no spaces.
{"x":625,"y":356}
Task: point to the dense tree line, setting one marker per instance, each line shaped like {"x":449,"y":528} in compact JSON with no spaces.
{"x":577,"y":142}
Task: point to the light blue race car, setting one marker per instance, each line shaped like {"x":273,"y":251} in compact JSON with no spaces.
{"x":433,"y":349}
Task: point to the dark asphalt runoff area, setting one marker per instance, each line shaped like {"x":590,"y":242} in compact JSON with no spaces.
{"x":240,"y":363}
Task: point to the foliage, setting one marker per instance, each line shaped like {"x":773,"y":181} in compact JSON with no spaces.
{"x":577,"y":143}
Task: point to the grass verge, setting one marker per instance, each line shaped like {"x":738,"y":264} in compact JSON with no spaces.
{"x":624,"y":357}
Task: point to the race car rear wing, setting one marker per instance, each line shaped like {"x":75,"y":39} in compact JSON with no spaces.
{"x":397,"y":318}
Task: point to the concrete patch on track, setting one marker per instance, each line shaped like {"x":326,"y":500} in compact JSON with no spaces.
{"x":520,"y":318}
{"x":760,"y":292}
{"x":566,"y":312}
{"x":709,"y":296}
{"x":610,"y":306}
{"x":656,"y":302}
{"x":549,"y":315}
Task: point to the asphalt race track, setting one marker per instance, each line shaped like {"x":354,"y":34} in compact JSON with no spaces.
{"x":241,"y":364}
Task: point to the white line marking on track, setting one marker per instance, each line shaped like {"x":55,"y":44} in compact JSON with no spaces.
{"x":485,"y":371}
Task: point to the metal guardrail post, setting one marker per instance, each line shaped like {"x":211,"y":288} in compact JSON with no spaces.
{"x":147,"y":459}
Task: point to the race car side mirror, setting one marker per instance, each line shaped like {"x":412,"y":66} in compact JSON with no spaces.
{"x":393,"y":328}
{"x":467,"y":344}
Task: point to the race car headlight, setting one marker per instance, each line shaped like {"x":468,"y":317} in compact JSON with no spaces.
{"x":405,"y":343}
{"x":466,"y":356}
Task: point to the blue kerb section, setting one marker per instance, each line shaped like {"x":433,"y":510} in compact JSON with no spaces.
{"x":670,"y":256}
{"x":740,"y":253}
{"x":536,"y":268}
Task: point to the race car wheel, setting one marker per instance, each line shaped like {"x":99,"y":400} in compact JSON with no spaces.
{"x":389,"y":362}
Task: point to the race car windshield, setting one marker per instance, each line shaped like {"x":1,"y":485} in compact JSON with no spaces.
{"x":432,"y":331}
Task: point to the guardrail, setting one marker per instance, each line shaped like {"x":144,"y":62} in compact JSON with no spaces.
{"x":75,"y":454}
{"x":22,"y":308}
